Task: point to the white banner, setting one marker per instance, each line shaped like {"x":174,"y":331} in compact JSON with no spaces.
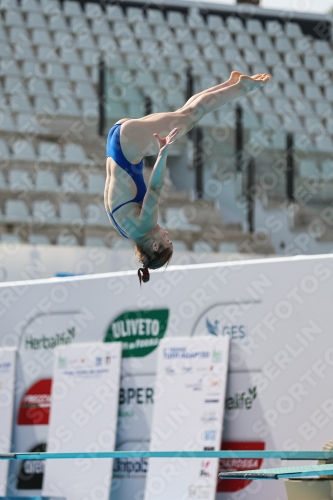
{"x":191,"y":378}
{"x":277,"y":313}
{"x":84,"y":400}
{"x":7,"y":385}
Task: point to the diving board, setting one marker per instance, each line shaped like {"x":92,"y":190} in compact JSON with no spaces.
{"x":281,"y":473}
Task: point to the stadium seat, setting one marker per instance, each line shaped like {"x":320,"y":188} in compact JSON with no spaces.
{"x":85,"y":90}
{"x":293,"y":30}
{"x":234,"y":24}
{"x":57,"y":23}
{"x":155,"y":17}
{"x":74,"y":153}
{"x":10,"y":238}
{"x":72,"y":9}
{"x":67,"y":239}
{"x":195,"y":20}
{"x":313,"y":93}
{"x":36,"y":20}
{"x":184,"y":35}
{"x":4,"y":150}
{"x":20,"y":103}
{"x":69,"y":56}
{"x":38,"y":87}
{"x":301,"y":75}
{"x":16,"y":211}
{"x":45,"y":106}
{"x":263,"y":42}
{"x":322,"y":48}
{"x":49,"y":151}
{"x":272,"y":58}
{"x":46,"y":181}
{"x":243,"y":40}
{"x":292,"y":123}
{"x":114,"y":12}
{"x":8,"y":66}
{"x":46,"y":54}
{"x":41,"y":37}
{"x":275,"y":29}
{"x":228,"y":247}
{"x":135,"y":15}
{"x":293,"y":90}
{"x":202,"y":247}
{"x":252,"y":56}
{"x":39,"y":239}
{"x":13,"y":18}
{"x":6,"y":122}
{"x":283,"y":45}
{"x":72,"y":182}
{"x":96,"y":183}
{"x":211,"y":53}
{"x":293,"y":60}
{"x":70,"y":212}
{"x":254,"y":26}
{"x":78,"y":73}
{"x":68,"y":107}
{"x":94,"y":241}
{"x":312,"y":62}
{"x":93,"y":11}
{"x":100,"y":26}
{"x":322,"y":78}
{"x":308,"y":169}
{"x":96,"y":215}
{"x":85,"y":41}
{"x":176,"y":219}
{"x":23,"y":150}
{"x":303,"y":107}
{"x":29,"y":6}
{"x":44,"y":212}
{"x":13,"y":85}
{"x":175,"y":18}
{"x":324,"y":143}
{"x":27,"y":124}
{"x":327,"y":170}
{"x":20,"y":180}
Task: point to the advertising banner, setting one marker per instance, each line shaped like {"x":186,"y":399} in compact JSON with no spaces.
{"x":276,"y":313}
{"x":189,"y":416}
{"x":7,"y":386}
{"x":83,"y":417}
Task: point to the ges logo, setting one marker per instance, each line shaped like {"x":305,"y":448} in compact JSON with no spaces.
{"x":233,"y":331}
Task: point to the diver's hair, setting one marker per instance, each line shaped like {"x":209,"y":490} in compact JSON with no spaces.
{"x":151,"y":259}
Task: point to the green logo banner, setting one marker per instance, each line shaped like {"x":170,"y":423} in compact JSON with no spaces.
{"x":139,"y":331}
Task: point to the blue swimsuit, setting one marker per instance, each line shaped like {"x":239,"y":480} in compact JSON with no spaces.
{"x":113,"y":149}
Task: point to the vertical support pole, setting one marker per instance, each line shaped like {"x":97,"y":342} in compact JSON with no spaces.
{"x":101,"y":96}
{"x":189,"y":91}
{"x":198,"y":162}
{"x":290,"y":172}
{"x":239,"y":138}
{"x":148,"y":106}
{"x":250,"y":194}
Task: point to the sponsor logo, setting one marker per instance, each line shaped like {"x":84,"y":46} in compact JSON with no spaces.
{"x":62,"y":362}
{"x":212,"y":400}
{"x":139,"y":331}
{"x":50,"y":342}
{"x":208,"y":417}
{"x":31,"y":472}
{"x":196,"y":386}
{"x":184,"y":353}
{"x":210,"y":435}
{"x":136,"y":395}
{"x":233,"y":331}
{"x":204,"y":472}
{"x":127,"y":467}
{"x":238,"y":464}
{"x":35,"y":405}
{"x":242,"y":400}
{"x":199,"y":492}
{"x":217,"y":356}
{"x":5,"y":367}
{"x":98,"y":361}
{"x":209,"y":448}
{"x":216,"y":321}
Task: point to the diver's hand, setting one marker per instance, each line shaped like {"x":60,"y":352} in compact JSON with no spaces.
{"x":165,"y":142}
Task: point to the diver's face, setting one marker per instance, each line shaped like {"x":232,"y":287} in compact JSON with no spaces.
{"x":161,"y":238}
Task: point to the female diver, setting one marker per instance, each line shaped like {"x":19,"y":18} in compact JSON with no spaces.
{"x":131,"y":206}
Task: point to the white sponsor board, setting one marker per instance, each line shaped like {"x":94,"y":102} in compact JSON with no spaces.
{"x":7,"y":385}
{"x":277,"y":313}
{"x":189,"y":416}
{"x":83,"y":417}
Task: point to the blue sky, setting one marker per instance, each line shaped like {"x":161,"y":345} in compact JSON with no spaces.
{"x":318,"y":6}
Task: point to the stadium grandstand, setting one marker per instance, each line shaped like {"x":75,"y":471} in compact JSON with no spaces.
{"x":70,"y":70}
